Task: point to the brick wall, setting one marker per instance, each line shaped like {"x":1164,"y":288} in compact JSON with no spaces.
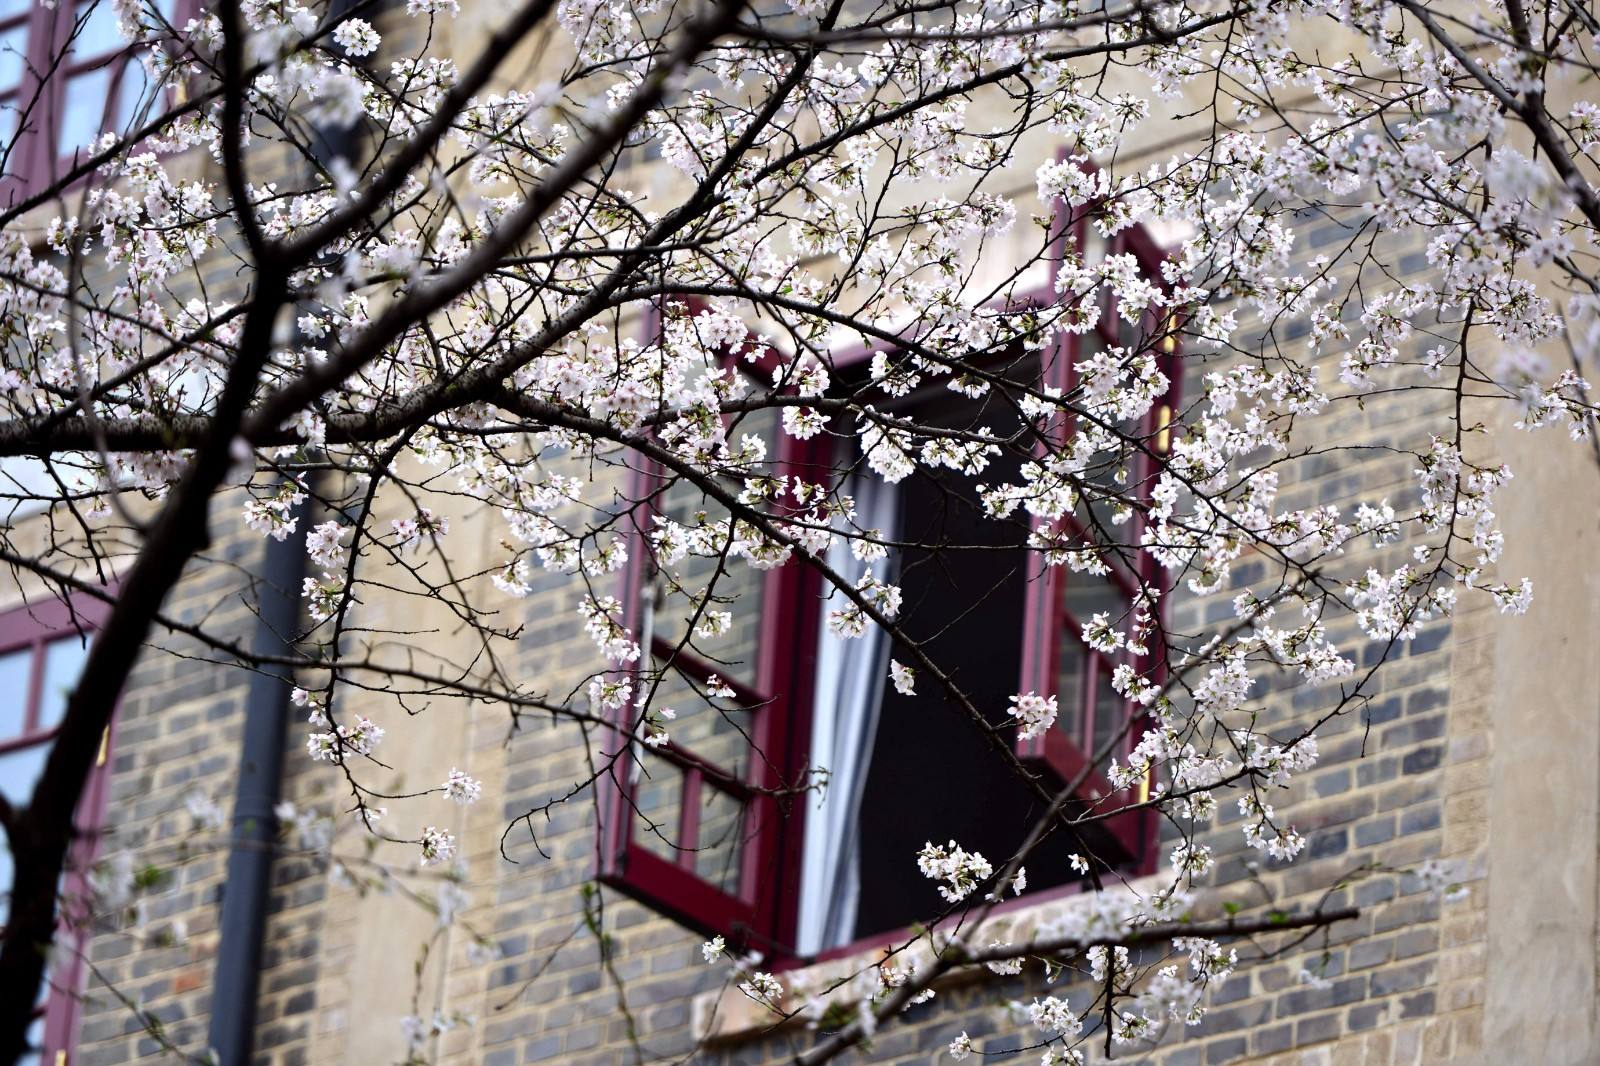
{"x":1402,"y":778}
{"x":176,"y":736}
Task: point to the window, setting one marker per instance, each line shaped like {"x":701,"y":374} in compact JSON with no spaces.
{"x":699,"y":820}
{"x":1056,"y":657}
{"x":42,"y":649}
{"x":66,"y":77}
{"x":714,"y":827}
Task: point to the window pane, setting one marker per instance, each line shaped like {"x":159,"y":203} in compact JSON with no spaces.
{"x":131,"y":96}
{"x":63,"y":661}
{"x":83,"y":109}
{"x":658,"y":824}
{"x":1113,"y":475}
{"x":13,"y":56}
{"x":14,"y":670}
{"x":1110,"y":713}
{"x":657,"y":808}
{"x":1070,"y":672}
{"x":1083,"y":596}
{"x":98,"y":30}
{"x":717,"y":729}
{"x":736,"y":591}
{"x":1088,"y":595}
{"x":721,"y":848}
{"x":19,"y":770}
{"x":765,"y":424}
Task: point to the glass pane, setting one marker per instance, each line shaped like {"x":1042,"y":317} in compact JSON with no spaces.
{"x":97,"y":30}
{"x":726,"y":631}
{"x":1114,"y":474}
{"x":658,"y":820}
{"x":19,"y":770}
{"x":1110,"y":713}
{"x":1087,"y":595}
{"x":13,"y":56}
{"x":83,"y":109}
{"x":721,"y":848}
{"x":1132,"y":335}
{"x":765,"y":424}
{"x":717,"y":729}
{"x":658,"y":805}
{"x":1070,"y":673}
{"x":63,"y":661}
{"x":131,"y":96}
{"x":15,"y":668}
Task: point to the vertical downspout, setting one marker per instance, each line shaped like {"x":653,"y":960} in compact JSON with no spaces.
{"x":255,"y":826}
{"x":247,"y":891}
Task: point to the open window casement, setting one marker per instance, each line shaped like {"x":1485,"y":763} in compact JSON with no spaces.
{"x":923,"y":765}
{"x":702,"y":778}
{"x":1097,"y":725}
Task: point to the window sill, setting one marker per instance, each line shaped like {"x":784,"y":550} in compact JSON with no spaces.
{"x":727,"y":1016}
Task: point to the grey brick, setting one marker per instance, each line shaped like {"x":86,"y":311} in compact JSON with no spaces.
{"x":1224,"y":1051}
{"x":1315,"y":1030}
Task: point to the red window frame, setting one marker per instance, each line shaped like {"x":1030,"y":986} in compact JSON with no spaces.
{"x":1049,"y":623}
{"x":32,"y":627}
{"x":779,"y":704}
{"x":763,"y":914}
{"x":36,"y":155}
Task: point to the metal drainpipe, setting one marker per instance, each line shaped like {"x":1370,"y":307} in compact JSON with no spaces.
{"x":255,"y":827}
{"x":246,"y":894}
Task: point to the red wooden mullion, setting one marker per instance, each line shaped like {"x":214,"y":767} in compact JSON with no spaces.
{"x":689,"y":817}
{"x":30,"y":715}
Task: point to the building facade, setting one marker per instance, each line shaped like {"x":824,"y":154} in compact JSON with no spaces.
{"x":569,"y":936}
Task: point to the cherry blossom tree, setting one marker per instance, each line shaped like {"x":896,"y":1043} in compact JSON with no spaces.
{"x":442,"y":280}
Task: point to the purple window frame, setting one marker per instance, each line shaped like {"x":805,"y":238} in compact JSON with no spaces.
{"x":34,"y":160}
{"x":764,"y":914}
{"x":778,"y":700}
{"x":1049,"y":625}
{"x":32,"y":627}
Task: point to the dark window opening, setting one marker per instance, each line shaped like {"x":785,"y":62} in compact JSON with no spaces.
{"x":965,"y":577}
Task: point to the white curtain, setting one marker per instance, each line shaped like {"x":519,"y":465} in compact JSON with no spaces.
{"x":849,"y":689}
